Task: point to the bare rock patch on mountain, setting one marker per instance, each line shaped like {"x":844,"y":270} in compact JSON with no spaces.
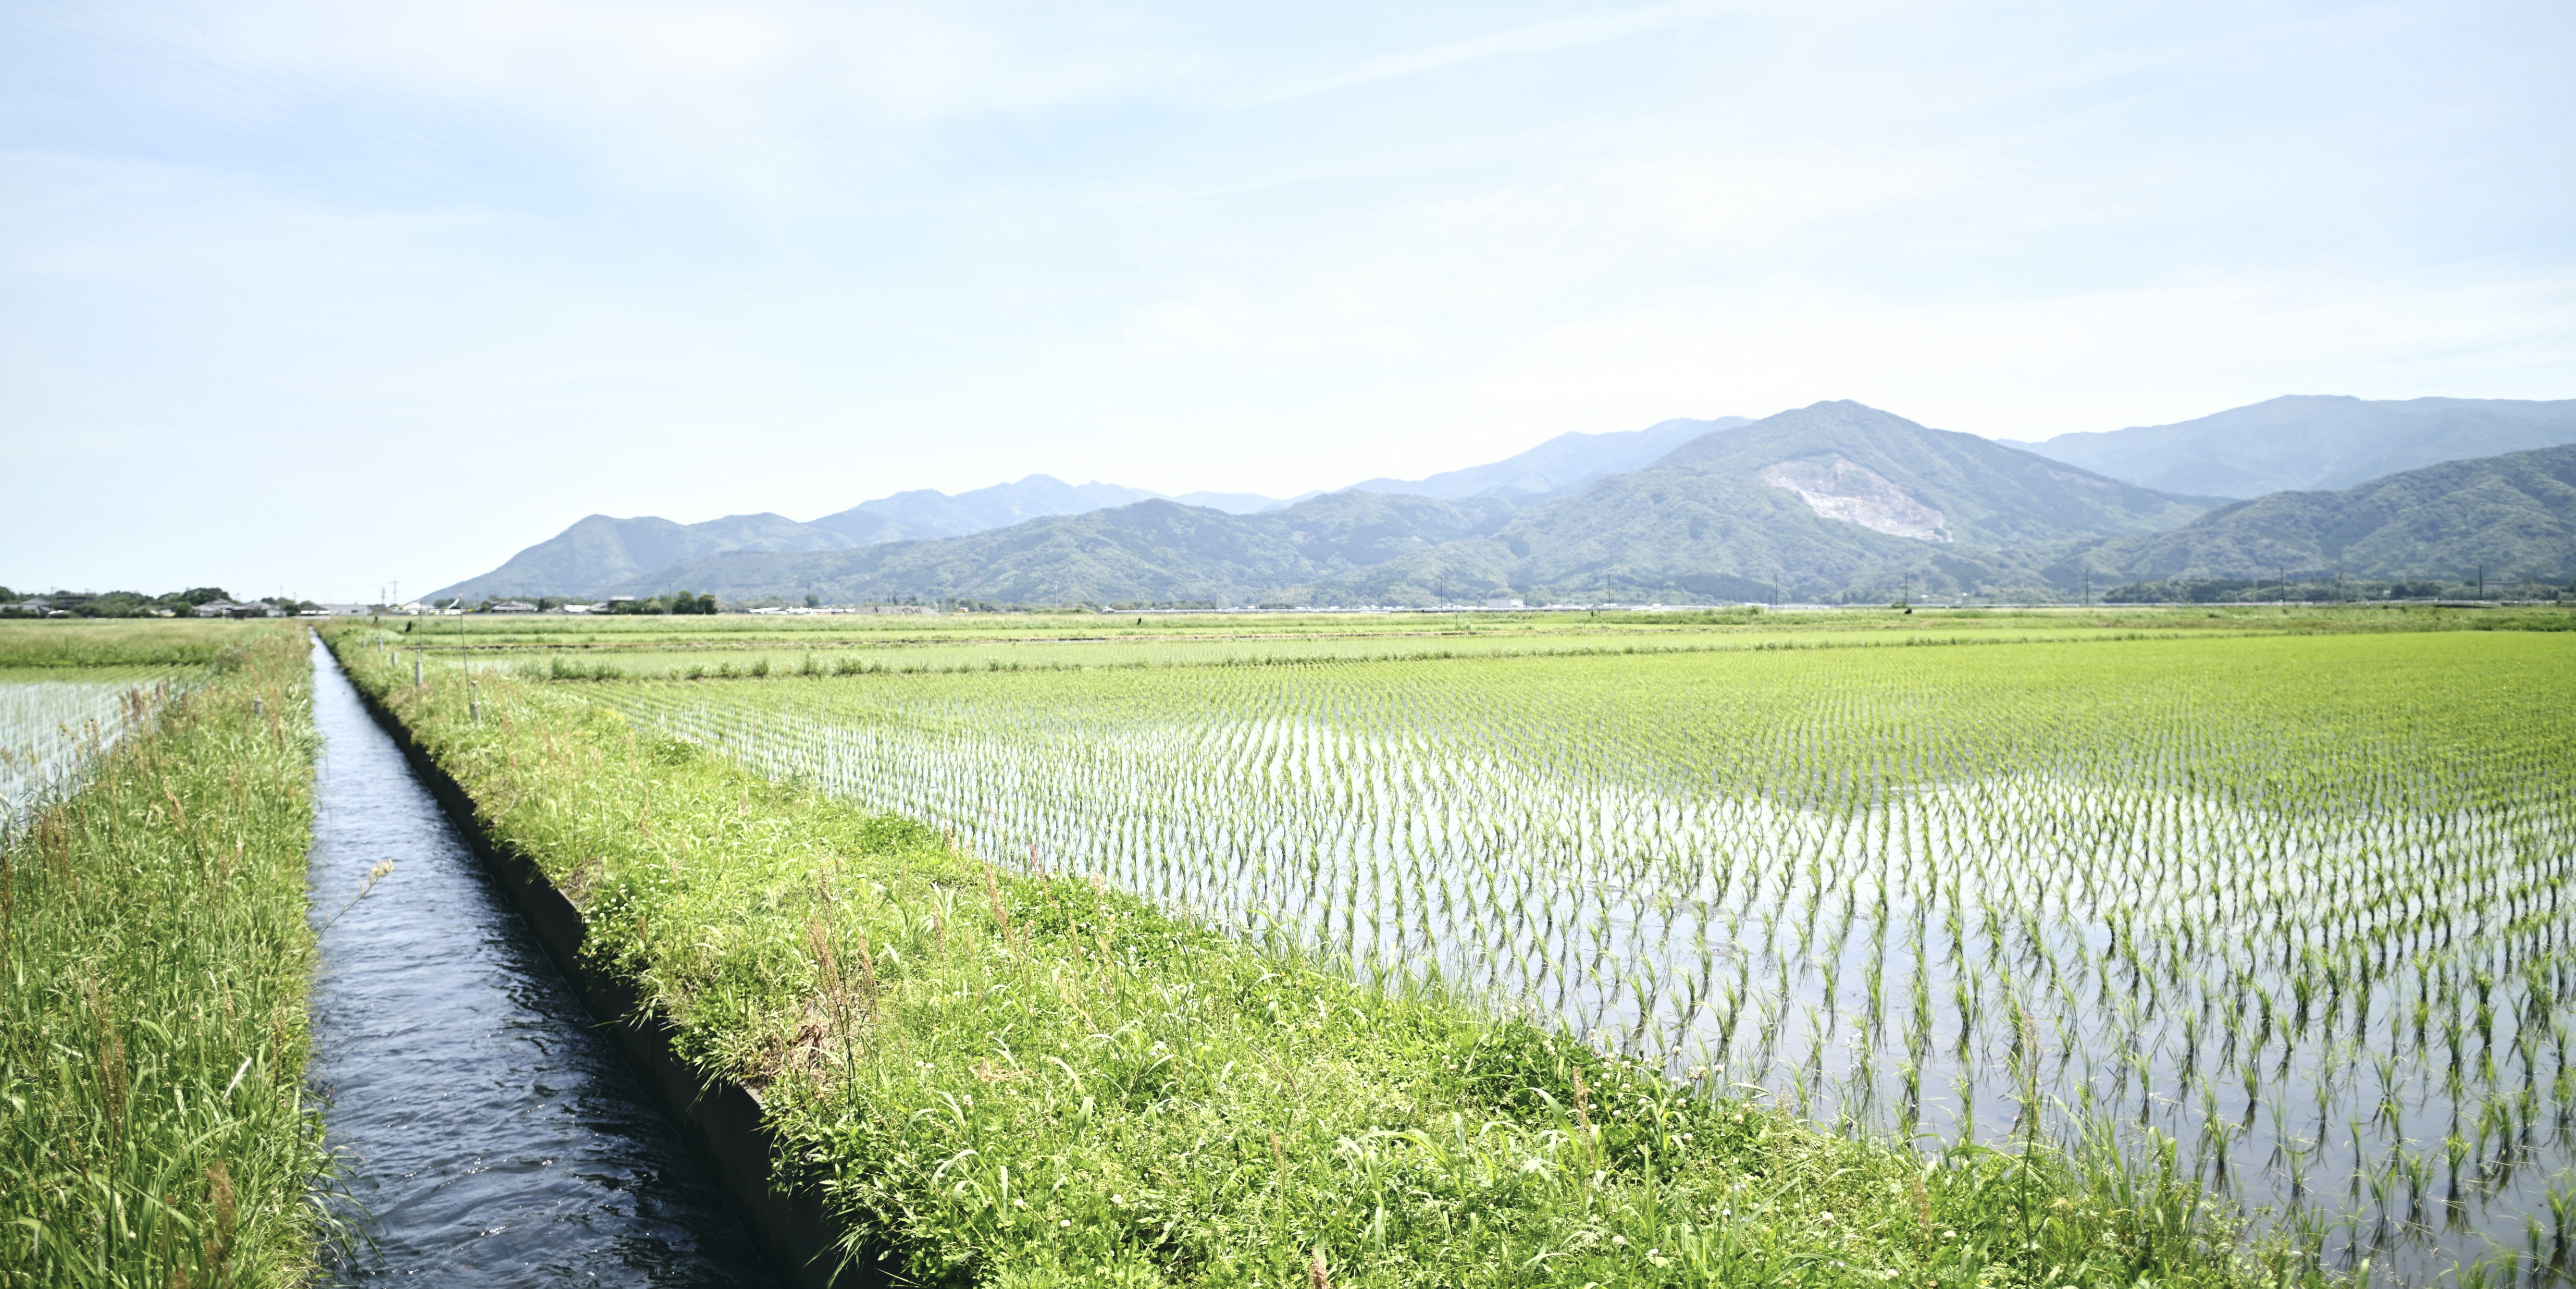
{"x":1856,"y":494}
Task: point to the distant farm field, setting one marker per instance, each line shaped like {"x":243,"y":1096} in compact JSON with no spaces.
{"x":745,"y":645}
{"x":67,"y":689}
{"x":120,"y":642}
{"x":54,"y":719}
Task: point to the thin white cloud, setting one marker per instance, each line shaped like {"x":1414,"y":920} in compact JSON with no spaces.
{"x":1548,"y":36}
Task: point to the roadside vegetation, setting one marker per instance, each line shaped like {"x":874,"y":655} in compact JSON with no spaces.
{"x":153,"y":1130}
{"x":1007,"y":1071}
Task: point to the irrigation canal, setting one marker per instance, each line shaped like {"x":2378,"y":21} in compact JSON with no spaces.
{"x":486,"y":1133}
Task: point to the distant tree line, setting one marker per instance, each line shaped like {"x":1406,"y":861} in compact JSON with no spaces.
{"x":675,"y":602}
{"x":136,"y":604}
{"x":2326,"y":588}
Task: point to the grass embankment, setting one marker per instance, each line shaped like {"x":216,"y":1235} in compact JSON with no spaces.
{"x":152,"y":1010}
{"x":1023,"y":1081}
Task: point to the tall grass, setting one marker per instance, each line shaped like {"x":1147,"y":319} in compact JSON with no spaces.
{"x":152,"y":1007}
{"x":1013,"y":1079}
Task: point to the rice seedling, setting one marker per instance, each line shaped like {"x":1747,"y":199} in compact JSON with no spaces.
{"x":2187,"y":881}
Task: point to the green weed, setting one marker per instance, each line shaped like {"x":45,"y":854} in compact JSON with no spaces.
{"x":153,"y":1131}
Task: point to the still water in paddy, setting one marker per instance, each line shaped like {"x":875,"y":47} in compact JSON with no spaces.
{"x":2284,"y":916}
{"x":486,"y":1132}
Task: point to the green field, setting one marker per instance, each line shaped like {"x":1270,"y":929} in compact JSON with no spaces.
{"x":742,"y":645}
{"x":145,"y":642}
{"x":2164,"y":880}
{"x":772,"y":656}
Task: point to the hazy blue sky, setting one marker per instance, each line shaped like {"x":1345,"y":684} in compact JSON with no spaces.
{"x":319,"y":295}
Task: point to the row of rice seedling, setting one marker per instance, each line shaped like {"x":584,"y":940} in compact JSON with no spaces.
{"x":154,"y":958}
{"x":1004,"y":1078}
{"x":53,"y":722}
{"x":755,"y":659}
{"x":2293,"y":904}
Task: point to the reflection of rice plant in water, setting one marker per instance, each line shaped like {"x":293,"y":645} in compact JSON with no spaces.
{"x":2292,"y":906}
{"x":50,"y":728}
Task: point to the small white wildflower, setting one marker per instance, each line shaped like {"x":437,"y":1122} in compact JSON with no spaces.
{"x":1619,"y":1239}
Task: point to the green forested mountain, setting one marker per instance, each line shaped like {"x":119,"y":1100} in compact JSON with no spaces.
{"x":2513,"y":515}
{"x":603,"y":550}
{"x":1835,"y":501}
{"x":1829,"y":501}
{"x":1832,"y":501}
{"x":1152,"y":552}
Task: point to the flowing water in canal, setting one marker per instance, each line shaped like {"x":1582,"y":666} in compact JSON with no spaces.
{"x":487,"y":1134}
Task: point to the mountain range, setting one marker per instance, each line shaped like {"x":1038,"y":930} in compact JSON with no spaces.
{"x":2513,"y":514}
{"x":1824,"y":501}
{"x":2313,"y":442}
{"x":602,"y":551}
{"x":1564,"y":462}
{"x":924,"y":512}
{"x":1835,"y":501}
